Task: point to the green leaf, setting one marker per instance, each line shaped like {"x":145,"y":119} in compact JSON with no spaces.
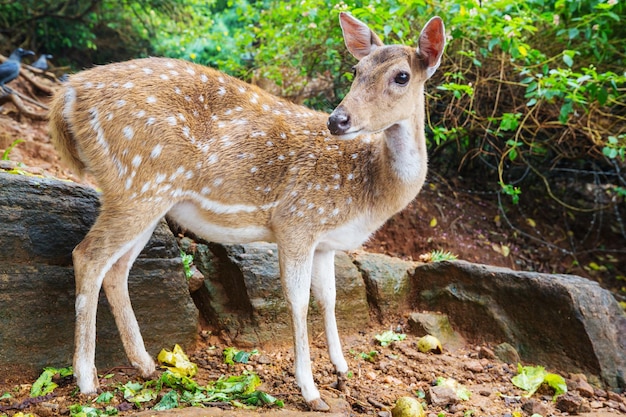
{"x":568,"y":60}
{"x":5,"y":396}
{"x":566,"y":109}
{"x":530,"y":378}
{"x":78,"y":410}
{"x":44,"y":385}
{"x":389,"y":336}
{"x":602,"y":95}
{"x":105,"y":397}
{"x":557,"y":383}
{"x":609,"y":152}
{"x":232,"y":355}
{"x":169,"y":401}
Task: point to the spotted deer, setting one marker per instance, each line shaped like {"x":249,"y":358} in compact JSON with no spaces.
{"x":235,"y":164}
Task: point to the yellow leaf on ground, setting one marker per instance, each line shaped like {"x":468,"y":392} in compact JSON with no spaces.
{"x":180,"y":363}
{"x":531,"y":222}
{"x":433,"y":222}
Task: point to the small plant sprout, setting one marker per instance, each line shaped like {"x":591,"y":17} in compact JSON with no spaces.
{"x":5,"y":155}
{"x":438,"y":255}
{"x":187,"y":260}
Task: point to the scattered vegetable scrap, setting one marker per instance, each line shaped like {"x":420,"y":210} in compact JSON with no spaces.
{"x":389,"y":336}
{"x":530,"y":378}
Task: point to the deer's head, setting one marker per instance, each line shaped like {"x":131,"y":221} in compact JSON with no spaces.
{"x":388,"y":79}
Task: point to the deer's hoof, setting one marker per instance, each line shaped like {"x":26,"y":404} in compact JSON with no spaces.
{"x":146,"y":366}
{"x":318,"y":405}
{"x":341,"y":384}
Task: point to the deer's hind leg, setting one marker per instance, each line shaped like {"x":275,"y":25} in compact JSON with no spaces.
{"x":104,"y":257}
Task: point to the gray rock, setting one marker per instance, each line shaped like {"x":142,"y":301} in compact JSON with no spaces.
{"x":562,"y":321}
{"x":438,"y":325}
{"x":42,"y":220}
{"x":243,"y":295}
{"x":507,"y":353}
{"x":569,"y":403}
{"x":441,"y":396}
{"x":388,"y":281}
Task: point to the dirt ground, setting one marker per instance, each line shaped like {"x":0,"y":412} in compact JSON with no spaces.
{"x":448,"y":215}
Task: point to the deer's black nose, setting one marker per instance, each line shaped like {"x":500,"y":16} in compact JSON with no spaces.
{"x":339,"y":121}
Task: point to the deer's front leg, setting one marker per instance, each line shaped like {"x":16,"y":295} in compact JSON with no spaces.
{"x":323,"y":286}
{"x":295,"y":272}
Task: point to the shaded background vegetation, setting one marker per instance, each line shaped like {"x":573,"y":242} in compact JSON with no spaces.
{"x":530,"y":101}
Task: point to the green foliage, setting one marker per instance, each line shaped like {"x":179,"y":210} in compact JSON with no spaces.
{"x":524,"y":86}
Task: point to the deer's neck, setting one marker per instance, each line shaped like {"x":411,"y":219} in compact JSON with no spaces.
{"x":405,"y":148}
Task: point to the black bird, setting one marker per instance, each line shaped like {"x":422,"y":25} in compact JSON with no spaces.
{"x":10,"y":69}
{"x":42,"y":62}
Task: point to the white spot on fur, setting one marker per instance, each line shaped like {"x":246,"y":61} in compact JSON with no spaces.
{"x":156,"y":151}
{"x":145,"y":187}
{"x":151,"y":99}
{"x":128,"y":132}
{"x":204,"y":78}
{"x":128,"y":85}
{"x":136,"y":161}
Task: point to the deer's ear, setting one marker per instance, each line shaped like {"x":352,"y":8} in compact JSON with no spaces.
{"x":360,"y":40}
{"x":432,"y":41}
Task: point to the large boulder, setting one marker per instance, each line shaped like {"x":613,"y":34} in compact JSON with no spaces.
{"x":560,"y":321}
{"x":242,"y":294}
{"x":41,"y":221}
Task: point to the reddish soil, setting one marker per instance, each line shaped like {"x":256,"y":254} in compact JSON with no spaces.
{"x":448,"y":215}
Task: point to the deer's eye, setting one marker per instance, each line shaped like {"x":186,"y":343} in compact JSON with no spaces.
{"x":402,"y":78}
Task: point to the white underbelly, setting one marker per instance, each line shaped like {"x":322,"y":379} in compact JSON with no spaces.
{"x":189,"y":216}
{"x":347,"y":236}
